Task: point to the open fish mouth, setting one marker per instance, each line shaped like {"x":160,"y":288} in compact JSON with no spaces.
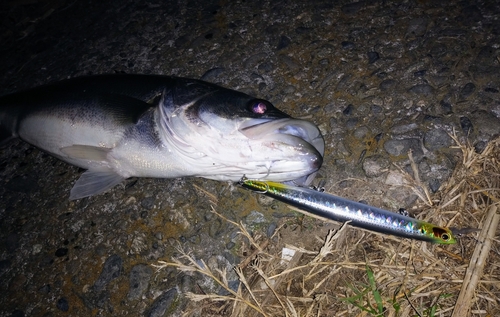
{"x":307,"y":131}
{"x":304,"y":140}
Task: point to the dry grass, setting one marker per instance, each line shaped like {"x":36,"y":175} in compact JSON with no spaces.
{"x":351,"y":272}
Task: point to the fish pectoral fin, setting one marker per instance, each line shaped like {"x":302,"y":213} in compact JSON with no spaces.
{"x":86,"y":152}
{"x":95,"y":181}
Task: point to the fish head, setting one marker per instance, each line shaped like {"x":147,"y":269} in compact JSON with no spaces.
{"x":229,"y":134}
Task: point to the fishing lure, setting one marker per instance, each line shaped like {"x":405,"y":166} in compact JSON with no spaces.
{"x":360,"y":215}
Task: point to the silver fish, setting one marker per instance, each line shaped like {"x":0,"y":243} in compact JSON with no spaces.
{"x":120,"y":126}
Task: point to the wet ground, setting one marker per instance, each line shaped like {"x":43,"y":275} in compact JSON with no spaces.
{"x":380,"y":78}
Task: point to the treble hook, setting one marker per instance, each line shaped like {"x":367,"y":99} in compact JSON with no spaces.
{"x":242,"y":183}
{"x":265,"y":191}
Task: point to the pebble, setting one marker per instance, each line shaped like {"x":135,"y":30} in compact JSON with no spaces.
{"x":436,"y":139}
{"x":480,"y":146}
{"x":491,"y":89}
{"x":351,"y":123}
{"x":434,"y":185}
{"x":387,"y":84}
{"x":265,"y":200}
{"x":467,"y":90}
{"x":61,"y":252}
{"x":404,"y":128}
{"x":401,"y":147}
{"x":485,"y":123}
{"x":324,"y":61}
{"x":376,"y":165}
{"x":445,"y":107}
{"x":232,"y":259}
{"x":213,"y":74}
{"x":255,"y":218}
{"x":325,"y":51}
{"x":348,"y":110}
{"x":139,"y":280}
{"x":62,"y":304}
{"x":361,"y":132}
{"x":399,"y":197}
{"x":348,"y":45}
{"x":377,"y":101}
{"x":417,"y":27}
{"x":233,"y":285}
{"x":420,"y":73}
{"x":266,"y":67}
{"x":270,"y":229}
{"x":422,"y":89}
{"x":496,"y":110}
{"x":376,"y":109}
{"x":284,"y":42}
{"x":162,"y":304}
{"x":289,"y":62}
{"x":395,"y":178}
{"x":45,"y":289}
{"x":439,"y":170}
{"x":466,"y":125}
{"x":159,"y":235}
{"x":302,"y":30}
{"x":215,"y":228}
{"x":148,"y":203}
{"x":372,"y":57}
{"x":253,"y":60}
{"x":112,"y":268}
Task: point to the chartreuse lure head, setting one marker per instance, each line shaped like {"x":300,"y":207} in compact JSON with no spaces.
{"x":436,"y":234}
{"x":262,"y":186}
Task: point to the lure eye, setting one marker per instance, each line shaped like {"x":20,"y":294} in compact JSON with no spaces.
{"x":441,"y":233}
{"x":258,"y":107}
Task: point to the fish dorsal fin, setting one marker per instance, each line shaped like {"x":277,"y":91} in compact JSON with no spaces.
{"x":86,"y":152}
{"x":95,"y":181}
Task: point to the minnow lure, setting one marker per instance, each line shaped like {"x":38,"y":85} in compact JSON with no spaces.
{"x":360,"y":215}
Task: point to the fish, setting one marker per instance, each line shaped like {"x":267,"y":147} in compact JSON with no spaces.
{"x":339,"y":209}
{"x":118,"y":126}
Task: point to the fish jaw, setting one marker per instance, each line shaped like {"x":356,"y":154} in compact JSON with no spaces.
{"x":280,"y":149}
{"x":300,"y":143}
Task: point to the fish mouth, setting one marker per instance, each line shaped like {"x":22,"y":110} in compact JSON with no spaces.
{"x":303,"y":137}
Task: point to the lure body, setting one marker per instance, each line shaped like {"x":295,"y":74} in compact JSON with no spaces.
{"x":360,"y":215}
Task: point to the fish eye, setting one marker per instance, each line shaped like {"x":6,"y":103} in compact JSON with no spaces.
{"x":258,"y":107}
